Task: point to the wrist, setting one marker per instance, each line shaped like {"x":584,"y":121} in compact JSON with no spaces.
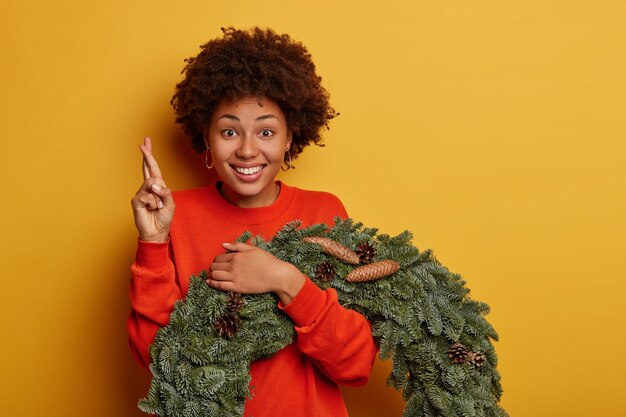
{"x":290,"y":285}
{"x":160,"y":238}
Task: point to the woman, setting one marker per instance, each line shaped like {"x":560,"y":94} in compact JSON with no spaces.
{"x":251,"y":101}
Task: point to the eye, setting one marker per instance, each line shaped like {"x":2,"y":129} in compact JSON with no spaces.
{"x":266,"y":133}
{"x":229,"y":133}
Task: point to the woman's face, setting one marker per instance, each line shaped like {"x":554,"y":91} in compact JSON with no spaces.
{"x":248,"y":139}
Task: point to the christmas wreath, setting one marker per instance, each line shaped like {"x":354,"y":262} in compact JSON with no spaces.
{"x":421,"y":314}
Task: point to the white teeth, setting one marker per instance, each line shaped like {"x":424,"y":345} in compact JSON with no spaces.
{"x":249,"y":171}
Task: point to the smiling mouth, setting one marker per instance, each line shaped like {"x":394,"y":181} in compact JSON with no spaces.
{"x":248,"y":171}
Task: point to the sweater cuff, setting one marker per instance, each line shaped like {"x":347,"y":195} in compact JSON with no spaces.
{"x":306,"y":305}
{"x":152,"y":255}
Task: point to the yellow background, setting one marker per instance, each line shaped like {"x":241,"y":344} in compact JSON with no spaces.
{"x":495,"y":131}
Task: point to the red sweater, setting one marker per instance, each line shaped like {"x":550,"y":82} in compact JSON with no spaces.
{"x":332,"y":345}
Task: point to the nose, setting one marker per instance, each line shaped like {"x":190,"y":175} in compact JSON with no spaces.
{"x":247,"y":147}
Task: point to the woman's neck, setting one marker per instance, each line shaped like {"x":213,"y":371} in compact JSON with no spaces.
{"x":266,"y":198}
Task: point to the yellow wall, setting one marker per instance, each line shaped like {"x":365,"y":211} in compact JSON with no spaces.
{"x":495,"y":131}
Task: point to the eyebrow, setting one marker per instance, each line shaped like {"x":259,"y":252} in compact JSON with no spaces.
{"x":233,"y":117}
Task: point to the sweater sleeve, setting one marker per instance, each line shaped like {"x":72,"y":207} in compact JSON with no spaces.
{"x":153,"y":292}
{"x":339,"y":340}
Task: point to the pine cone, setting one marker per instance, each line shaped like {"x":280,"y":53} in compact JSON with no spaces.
{"x":335,"y":249}
{"x":458,"y":353}
{"x":366,"y":252}
{"x":325,"y":271}
{"x":235,"y":302}
{"x":476,"y":359}
{"x":373,"y":271}
{"x":227,"y":325}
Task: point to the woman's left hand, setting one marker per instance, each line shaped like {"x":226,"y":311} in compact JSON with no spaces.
{"x":250,"y":270}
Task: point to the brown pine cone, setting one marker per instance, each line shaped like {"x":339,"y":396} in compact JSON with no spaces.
{"x":476,"y":359}
{"x":325,"y":271}
{"x":336,"y":249}
{"x":373,"y":271}
{"x":235,"y":302}
{"x":366,"y":252}
{"x":227,"y":325}
{"x":458,"y":353}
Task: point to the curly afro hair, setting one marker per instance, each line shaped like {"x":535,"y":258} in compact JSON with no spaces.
{"x":255,"y":63}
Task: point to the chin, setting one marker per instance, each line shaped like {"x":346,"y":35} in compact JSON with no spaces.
{"x":257,"y":193}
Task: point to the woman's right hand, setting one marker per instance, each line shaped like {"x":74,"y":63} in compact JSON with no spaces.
{"x":153,"y":205}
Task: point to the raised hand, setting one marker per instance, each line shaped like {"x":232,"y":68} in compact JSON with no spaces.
{"x":250,"y":270}
{"x":153,"y":205}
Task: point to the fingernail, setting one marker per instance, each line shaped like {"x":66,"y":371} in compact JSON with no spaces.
{"x":226,"y":244}
{"x":156,"y":187}
{"x":160,"y":205}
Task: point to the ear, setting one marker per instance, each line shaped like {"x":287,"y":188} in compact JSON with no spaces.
{"x":289,"y":138}
{"x":205,"y":136}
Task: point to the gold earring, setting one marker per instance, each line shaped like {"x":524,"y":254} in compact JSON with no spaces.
{"x":206,"y":158}
{"x":288,"y":161}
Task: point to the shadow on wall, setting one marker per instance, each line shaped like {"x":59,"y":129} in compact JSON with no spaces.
{"x":375,"y":399}
{"x":129,"y":381}
{"x":184,"y":168}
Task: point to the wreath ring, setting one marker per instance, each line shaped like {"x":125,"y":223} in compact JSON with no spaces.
{"x":436,"y":336}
